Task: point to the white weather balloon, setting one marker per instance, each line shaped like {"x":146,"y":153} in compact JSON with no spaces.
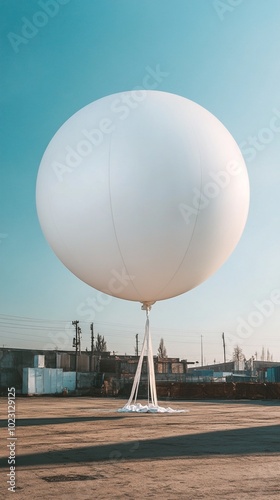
{"x":143,"y":195}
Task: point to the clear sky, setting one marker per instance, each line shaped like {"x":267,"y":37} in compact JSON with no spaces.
{"x":59,"y":55}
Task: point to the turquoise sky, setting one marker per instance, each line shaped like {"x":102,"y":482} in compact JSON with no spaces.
{"x":58,"y":56}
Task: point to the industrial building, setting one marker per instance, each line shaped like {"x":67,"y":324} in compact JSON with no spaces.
{"x":59,"y":371}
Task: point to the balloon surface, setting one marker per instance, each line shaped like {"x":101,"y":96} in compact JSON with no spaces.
{"x":143,"y":195}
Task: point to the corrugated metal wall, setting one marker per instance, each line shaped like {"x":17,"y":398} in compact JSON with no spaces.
{"x":273,"y":374}
{"x":47,"y":381}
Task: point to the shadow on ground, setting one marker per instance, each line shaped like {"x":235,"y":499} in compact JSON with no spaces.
{"x":258,"y":402}
{"x":249,"y":441}
{"x":24,"y":422}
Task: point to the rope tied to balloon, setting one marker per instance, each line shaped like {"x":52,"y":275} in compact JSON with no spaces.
{"x":152,"y":402}
{"x":147,"y":345}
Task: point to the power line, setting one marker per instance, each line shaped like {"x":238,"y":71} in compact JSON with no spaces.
{"x":44,"y":324}
{"x":29,"y":318}
{"x":22,"y":329}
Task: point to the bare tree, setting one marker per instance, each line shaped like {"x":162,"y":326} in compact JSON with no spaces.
{"x":100,"y":344}
{"x":237,"y":354}
{"x":162,"y":350}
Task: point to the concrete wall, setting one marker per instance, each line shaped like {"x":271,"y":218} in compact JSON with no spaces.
{"x":12,"y":363}
{"x":83,"y":363}
{"x":85,"y":380}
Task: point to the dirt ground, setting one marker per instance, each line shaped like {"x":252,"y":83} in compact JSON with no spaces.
{"x":81,"y":448}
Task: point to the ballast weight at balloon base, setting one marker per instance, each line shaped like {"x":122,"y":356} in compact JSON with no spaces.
{"x":151,"y":407}
{"x":138,"y":408}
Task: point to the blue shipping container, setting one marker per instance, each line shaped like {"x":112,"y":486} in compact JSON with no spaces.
{"x":273,"y":374}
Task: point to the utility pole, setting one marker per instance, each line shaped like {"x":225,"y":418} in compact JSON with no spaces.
{"x":92,"y":338}
{"x":79,"y":339}
{"x":224,"y":347}
{"x":76,"y":342}
{"x":92,"y":346}
{"x":201,"y":350}
{"x":137,"y":345}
